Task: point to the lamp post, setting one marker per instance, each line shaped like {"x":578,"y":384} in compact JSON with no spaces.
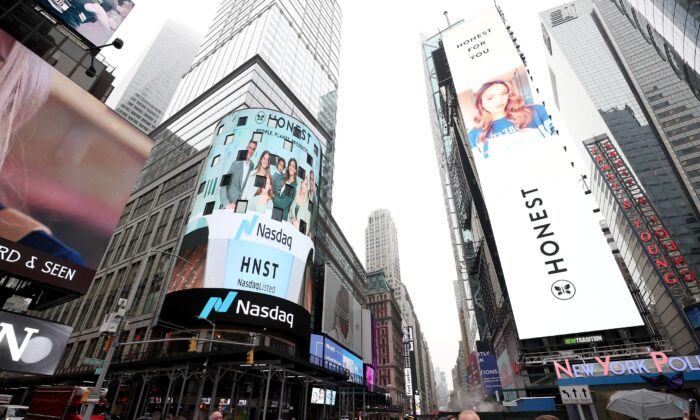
{"x":120,"y":326}
{"x":213,"y":330}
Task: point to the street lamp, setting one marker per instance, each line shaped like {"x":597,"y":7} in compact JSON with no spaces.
{"x":213,"y":329}
{"x":120,"y":326}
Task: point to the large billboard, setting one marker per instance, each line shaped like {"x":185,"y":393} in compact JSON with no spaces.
{"x":254,"y":216}
{"x":544,"y":228}
{"x":331,"y":355}
{"x":95,"y":21}
{"x":488,"y":370}
{"x":30,"y":345}
{"x":68,"y":165}
{"x":342,"y":314}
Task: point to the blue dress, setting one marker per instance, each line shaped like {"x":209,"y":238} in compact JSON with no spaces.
{"x":540,"y":126}
{"x":49,"y":244}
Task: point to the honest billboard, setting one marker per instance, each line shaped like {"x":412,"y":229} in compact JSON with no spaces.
{"x":254,"y":216}
{"x":342,"y":314}
{"x":555,"y":259}
{"x":67,"y":167}
{"x":94,"y":21}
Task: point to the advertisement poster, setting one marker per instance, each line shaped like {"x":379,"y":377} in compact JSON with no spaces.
{"x":488,"y":370}
{"x":31,"y":345}
{"x":338,"y":355}
{"x":544,"y":228}
{"x":254,"y":216}
{"x":94,"y":20}
{"x":68,"y":164}
{"x":342,"y":314}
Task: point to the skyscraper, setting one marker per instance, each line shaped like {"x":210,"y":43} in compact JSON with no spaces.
{"x":227,"y":78}
{"x":298,"y":40}
{"x":382,"y":254}
{"x":151,"y":83}
{"x":382,"y":248}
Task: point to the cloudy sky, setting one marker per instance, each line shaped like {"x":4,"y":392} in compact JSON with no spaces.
{"x":385,"y":155}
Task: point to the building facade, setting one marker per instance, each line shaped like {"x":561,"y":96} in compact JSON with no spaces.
{"x":387,"y":315}
{"x":150,"y":84}
{"x":382,"y":253}
{"x":300,"y":42}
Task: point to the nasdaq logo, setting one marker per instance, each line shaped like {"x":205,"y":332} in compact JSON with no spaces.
{"x":217,"y":304}
{"x":247,"y":227}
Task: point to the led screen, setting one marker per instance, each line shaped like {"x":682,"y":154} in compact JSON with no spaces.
{"x":68,"y":165}
{"x":95,"y":21}
{"x":545,"y":230}
{"x":342,"y":314}
{"x":254,"y":216}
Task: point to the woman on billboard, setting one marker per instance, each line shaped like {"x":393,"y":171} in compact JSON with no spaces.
{"x":283,"y":199}
{"x":503,"y":120}
{"x":262,"y":201}
{"x":299,"y":211}
{"x":24,"y":88}
{"x":262,"y":169}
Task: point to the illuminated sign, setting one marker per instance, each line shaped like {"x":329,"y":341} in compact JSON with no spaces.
{"x":661,"y":249}
{"x":31,"y":345}
{"x":236,"y":308}
{"x":658,"y":362}
{"x":540,"y":219}
{"x":583,"y":340}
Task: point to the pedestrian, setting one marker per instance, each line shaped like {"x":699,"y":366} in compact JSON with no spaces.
{"x":546,"y":417}
{"x":469,"y":415}
{"x":216,"y":415}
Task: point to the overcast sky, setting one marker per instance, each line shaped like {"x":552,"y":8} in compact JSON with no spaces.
{"x":385,"y":156}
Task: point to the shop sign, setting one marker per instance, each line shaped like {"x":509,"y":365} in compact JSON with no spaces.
{"x":658,"y":362}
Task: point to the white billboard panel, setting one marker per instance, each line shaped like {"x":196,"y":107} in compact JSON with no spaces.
{"x":560,"y":274}
{"x":342,"y":314}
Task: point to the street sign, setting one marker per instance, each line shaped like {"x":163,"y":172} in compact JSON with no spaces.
{"x":575,"y":394}
{"x":91,"y":361}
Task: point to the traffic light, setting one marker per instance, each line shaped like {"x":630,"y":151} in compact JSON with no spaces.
{"x":108,"y":343}
{"x":193,"y":345}
{"x":250,"y":357}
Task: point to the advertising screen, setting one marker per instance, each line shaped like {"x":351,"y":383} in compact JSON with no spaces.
{"x":224,"y":306}
{"x":95,"y":21}
{"x":254,"y":216}
{"x":31,"y":345}
{"x":318,"y":395}
{"x":545,"y":231}
{"x":369,"y":377}
{"x":488,"y":370}
{"x":68,"y":165}
{"x":340,"y":356}
{"x":342,"y":314}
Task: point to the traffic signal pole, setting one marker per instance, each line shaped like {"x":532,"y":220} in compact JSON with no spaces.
{"x":120,"y":327}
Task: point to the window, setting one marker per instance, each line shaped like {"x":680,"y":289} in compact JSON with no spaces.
{"x":228,"y":140}
{"x":144,"y":203}
{"x":145,"y":241}
{"x":218,"y":129}
{"x":257,"y":137}
{"x":164,"y":219}
{"x":201,"y":187}
{"x":177,"y":220}
{"x":242,"y":121}
{"x":215,"y":161}
{"x":209,"y":208}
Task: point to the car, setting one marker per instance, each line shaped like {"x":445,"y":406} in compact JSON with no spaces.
{"x":13,"y":412}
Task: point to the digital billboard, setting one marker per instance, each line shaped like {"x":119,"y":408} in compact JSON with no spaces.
{"x":31,"y":345}
{"x":254,"y":216}
{"x":67,"y":167}
{"x":370,"y":377}
{"x":544,"y":228}
{"x":342,"y":314}
{"x":335,"y":357}
{"x":94,"y":21}
{"x":224,"y":306}
{"x":488,"y":370}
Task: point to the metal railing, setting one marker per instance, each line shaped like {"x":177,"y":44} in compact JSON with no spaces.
{"x":589,"y":354}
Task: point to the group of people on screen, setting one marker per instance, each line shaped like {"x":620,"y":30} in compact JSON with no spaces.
{"x":272,"y":183}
